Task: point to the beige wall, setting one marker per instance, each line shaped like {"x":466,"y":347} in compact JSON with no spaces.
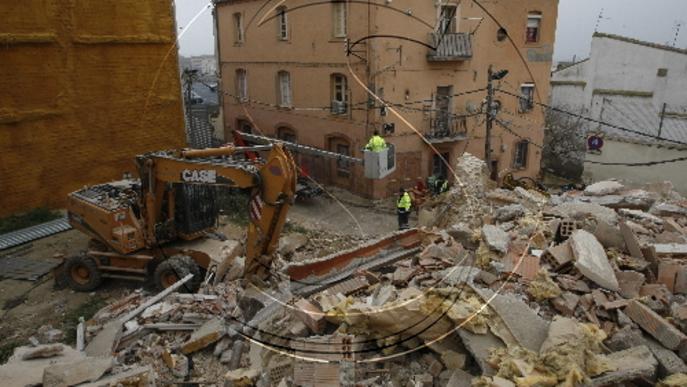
{"x":615,"y":151}
{"x":397,"y":68}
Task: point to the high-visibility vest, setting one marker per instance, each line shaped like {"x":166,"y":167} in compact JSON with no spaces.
{"x":404,"y":202}
{"x":376,"y":144}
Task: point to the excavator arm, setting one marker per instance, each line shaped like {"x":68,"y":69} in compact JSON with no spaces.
{"x":272,"y":184}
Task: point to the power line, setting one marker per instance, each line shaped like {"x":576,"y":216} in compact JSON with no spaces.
{"x":511,"y":131}
{"x":594,"y":120}
{"x":645,"y":164}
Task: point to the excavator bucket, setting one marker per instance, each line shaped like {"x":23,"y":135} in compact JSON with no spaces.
{"x":379,"y":165}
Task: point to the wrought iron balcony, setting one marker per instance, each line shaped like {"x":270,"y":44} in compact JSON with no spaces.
{"x":447,"y":129}
{"x":451,"y":47}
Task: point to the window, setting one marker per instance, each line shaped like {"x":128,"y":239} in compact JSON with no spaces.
{"x":241,"y":85}
{"x":501,"y":34}
{"x":533,"y":24}
{"x":339,"y":19}
{"x":339,"y":94}
{"x":238,"y":28}
{"x":662,"y":73}
{"x":447,"y":21}
{"x":282,"y":24}
{"x":244,"y":126}
{"x":527,"y":97}
{"x":343,"y":167}
{"x":284,"y":88}
{"x":520,"y":157}
{"x":286,"y":134}
{"x":439,"y":167}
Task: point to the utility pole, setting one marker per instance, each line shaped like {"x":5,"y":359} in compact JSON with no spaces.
{"x":490,"y":118}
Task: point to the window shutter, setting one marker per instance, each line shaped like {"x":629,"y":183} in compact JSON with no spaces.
{"x":285,"y":88}
{"x":340,"y":19}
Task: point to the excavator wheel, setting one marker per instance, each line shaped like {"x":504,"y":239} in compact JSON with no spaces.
{"x":82,"y":273}
{"x":175,"y":268}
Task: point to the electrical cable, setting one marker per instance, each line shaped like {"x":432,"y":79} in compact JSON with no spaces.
{"x":594,"y":120}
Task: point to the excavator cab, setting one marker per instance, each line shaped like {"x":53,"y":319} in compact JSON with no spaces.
{"x":381,"y":164}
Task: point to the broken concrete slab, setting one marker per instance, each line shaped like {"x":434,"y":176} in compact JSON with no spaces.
{"x":667,"y":209}
{"x":655,"y":325}
{"x":463,"y":234}
{"x":495,"y":238}
{"x":640,"y":215}
{"x":460,"y":378}
{"x":603,"y":188}
{"x":630,"y":364}
{"x":566,"y":303}
{"x":609,"y":236}
{"x":208,"y":333}
{"x":457,"y":275}
{"x":508,"y":213}
{"x":668,"y":362}
{"x":581,"y":211}
{"x":631,"y":241}
{"x":43,"y":352}
{"x":630,"y":282}
{"x":480,"y":347}
{"x":137,"y":376}
{"x":670,"y":248}
{"x":88,"y":369}
{"x":18,"y":372}
{"x":528,"y":329}
{"x":591,"y":260}
{"x":625,"y":338}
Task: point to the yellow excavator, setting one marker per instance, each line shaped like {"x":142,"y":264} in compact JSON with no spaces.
{"x":161,"y":226}
{"x":158,"y":226}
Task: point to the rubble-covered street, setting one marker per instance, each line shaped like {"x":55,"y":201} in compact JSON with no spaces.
{"x":497,"y":288}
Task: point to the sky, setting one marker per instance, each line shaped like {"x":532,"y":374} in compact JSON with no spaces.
{"x":650,"y":20}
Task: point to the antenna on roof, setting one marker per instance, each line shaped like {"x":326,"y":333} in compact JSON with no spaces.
{"x":599,"y":19}
{"x":678,"y":25}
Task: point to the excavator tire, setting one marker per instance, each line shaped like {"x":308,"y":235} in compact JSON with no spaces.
{"x":175,"y":268}
{"x":82,"y":273}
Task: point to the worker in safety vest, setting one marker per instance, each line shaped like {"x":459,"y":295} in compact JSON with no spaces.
{"x":444,"y":187}
{"x":403,"y":209}
{"x":376,"y":143}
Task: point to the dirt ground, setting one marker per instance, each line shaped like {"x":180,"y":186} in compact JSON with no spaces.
{"x":26,"y":305}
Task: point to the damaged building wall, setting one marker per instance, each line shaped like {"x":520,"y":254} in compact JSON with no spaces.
{"x":641,"y":152}
{"x":86,"y":85}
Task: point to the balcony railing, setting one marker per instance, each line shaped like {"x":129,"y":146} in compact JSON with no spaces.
{"x":447,"y":129}
{"x":450,"y":47}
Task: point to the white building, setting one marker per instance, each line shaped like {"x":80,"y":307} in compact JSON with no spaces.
{"x":634,"y":85}
{"x":206,"y":64}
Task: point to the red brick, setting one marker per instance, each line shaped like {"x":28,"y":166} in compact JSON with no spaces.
{"x":655,"y":325}
{"x":681,"y":281}
{"x":311,"y":315}
{"x":667,"y":273}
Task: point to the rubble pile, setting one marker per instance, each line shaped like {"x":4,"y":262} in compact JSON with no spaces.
{"x":506,"y":288}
